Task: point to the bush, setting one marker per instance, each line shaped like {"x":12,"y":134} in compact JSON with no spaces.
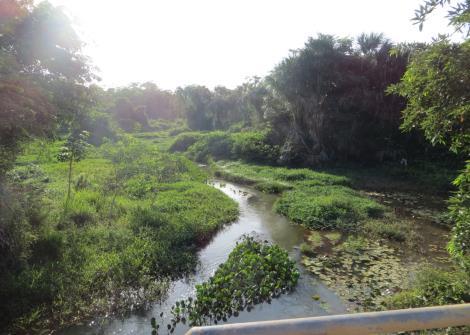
{"x":147,"y":217}
{"x":183,"y":141}
{"x":217,"y":145}
{"x":434,"y":287}
{"x":81,"y":182}
{"x":100,"y":126}
{"x":81,"y":213}
{"x":459,"y":245}
{"x":271,"y":187}
{"x":48,"y":247}
{"x":141,"y":185}
{"x":253,"y":146}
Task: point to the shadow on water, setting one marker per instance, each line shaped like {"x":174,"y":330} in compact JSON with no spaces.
{"x":256,"y":217}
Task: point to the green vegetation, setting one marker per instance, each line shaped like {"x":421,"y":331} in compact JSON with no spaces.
{"x":250,"y":145}
{"x":315,"y":199}
{"x":434,"y":287}
{"x":94,"y":220}
{"x":362,"y":271}
{"x":255,"y":272}
{"x":132,"y":221}
{"x":328,"y":207}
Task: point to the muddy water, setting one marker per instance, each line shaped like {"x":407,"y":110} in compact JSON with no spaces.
{"x":256,"y":217}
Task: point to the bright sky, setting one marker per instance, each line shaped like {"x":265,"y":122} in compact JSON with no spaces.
{"x":223,"y":42}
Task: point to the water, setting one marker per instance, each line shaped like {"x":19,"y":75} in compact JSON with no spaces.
{"x":256,"y":217}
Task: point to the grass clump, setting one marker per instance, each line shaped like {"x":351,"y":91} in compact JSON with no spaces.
{"x":254,"y":272}
{"x":272,"y":187}
{"x":327,"y":208}
{"x":286,"y":176}
{"x":433,"y":287}
{"x":391,"y":229}
{"x":333,"y":237}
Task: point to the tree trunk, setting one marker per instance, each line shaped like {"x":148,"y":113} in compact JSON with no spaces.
{"x":70,"y":181}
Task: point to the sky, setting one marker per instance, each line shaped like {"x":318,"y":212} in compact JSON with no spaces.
{"x":223,"y":42}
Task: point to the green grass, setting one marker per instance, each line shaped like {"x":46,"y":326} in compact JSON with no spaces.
{"x":136,"y":217}
{"x":327,"y":207}
{"x":390,"y":228}
{"x":433,"y":287}
{"x":276,"y":179}
{"x":317,"y":200}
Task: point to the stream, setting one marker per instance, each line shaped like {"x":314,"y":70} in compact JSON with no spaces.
{"x":256,"y":218}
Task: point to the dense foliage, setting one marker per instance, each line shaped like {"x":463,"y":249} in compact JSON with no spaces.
{"x":438,"y":102}
{"x":39,"y":52}
{"x":133,"y":220}
{"x":254,"y":146}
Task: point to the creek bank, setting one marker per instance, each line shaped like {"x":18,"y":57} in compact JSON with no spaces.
{"x":365,"y":261}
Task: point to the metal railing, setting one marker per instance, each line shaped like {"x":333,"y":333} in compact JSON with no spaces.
{"x":350,"y":324}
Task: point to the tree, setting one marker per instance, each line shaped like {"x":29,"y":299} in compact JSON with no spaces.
{"x":435,"y":85}
{"x":327,"y":102}
{"x":38,"y":47}
{"x":196,"y":100}
{"x":438,"y":101}
{"x":74,"y":150}
{"x":458,"y":13}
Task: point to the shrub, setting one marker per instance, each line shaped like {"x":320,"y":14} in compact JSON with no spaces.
{"x":48,"y":247}
{"x":81,"y":182}
{"x":272,"y":187}
{"x":217,"y":145}
{"x":434,"y":287}
{"x":81,"y":213}
{"x":84,"y":207}
{"x":459,"y":245}
{"x":183,"y":141}
{"x":139,"y":186}
{"x":178,"y":130}
{"x":100,"y":126}
{"x":147,"y":217}
{"x":307,"y":250}
{"x":253,"y":146}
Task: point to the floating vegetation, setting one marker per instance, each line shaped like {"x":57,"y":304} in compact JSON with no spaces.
{"x":255,"y":272}
{"x":363,"y":272}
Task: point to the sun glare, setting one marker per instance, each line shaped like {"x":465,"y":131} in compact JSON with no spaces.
{"x":177,"y":43}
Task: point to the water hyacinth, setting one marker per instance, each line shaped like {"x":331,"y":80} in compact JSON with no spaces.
{"x":255,"y":272}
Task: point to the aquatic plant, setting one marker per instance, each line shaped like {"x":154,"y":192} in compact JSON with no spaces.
{"x":255,"y":272}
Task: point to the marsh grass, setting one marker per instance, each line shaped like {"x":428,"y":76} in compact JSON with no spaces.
{"x":136,"y":218}
{"x":316,"y":200}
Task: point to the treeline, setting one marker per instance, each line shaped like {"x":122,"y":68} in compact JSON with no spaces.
{"x":326,"y":102}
